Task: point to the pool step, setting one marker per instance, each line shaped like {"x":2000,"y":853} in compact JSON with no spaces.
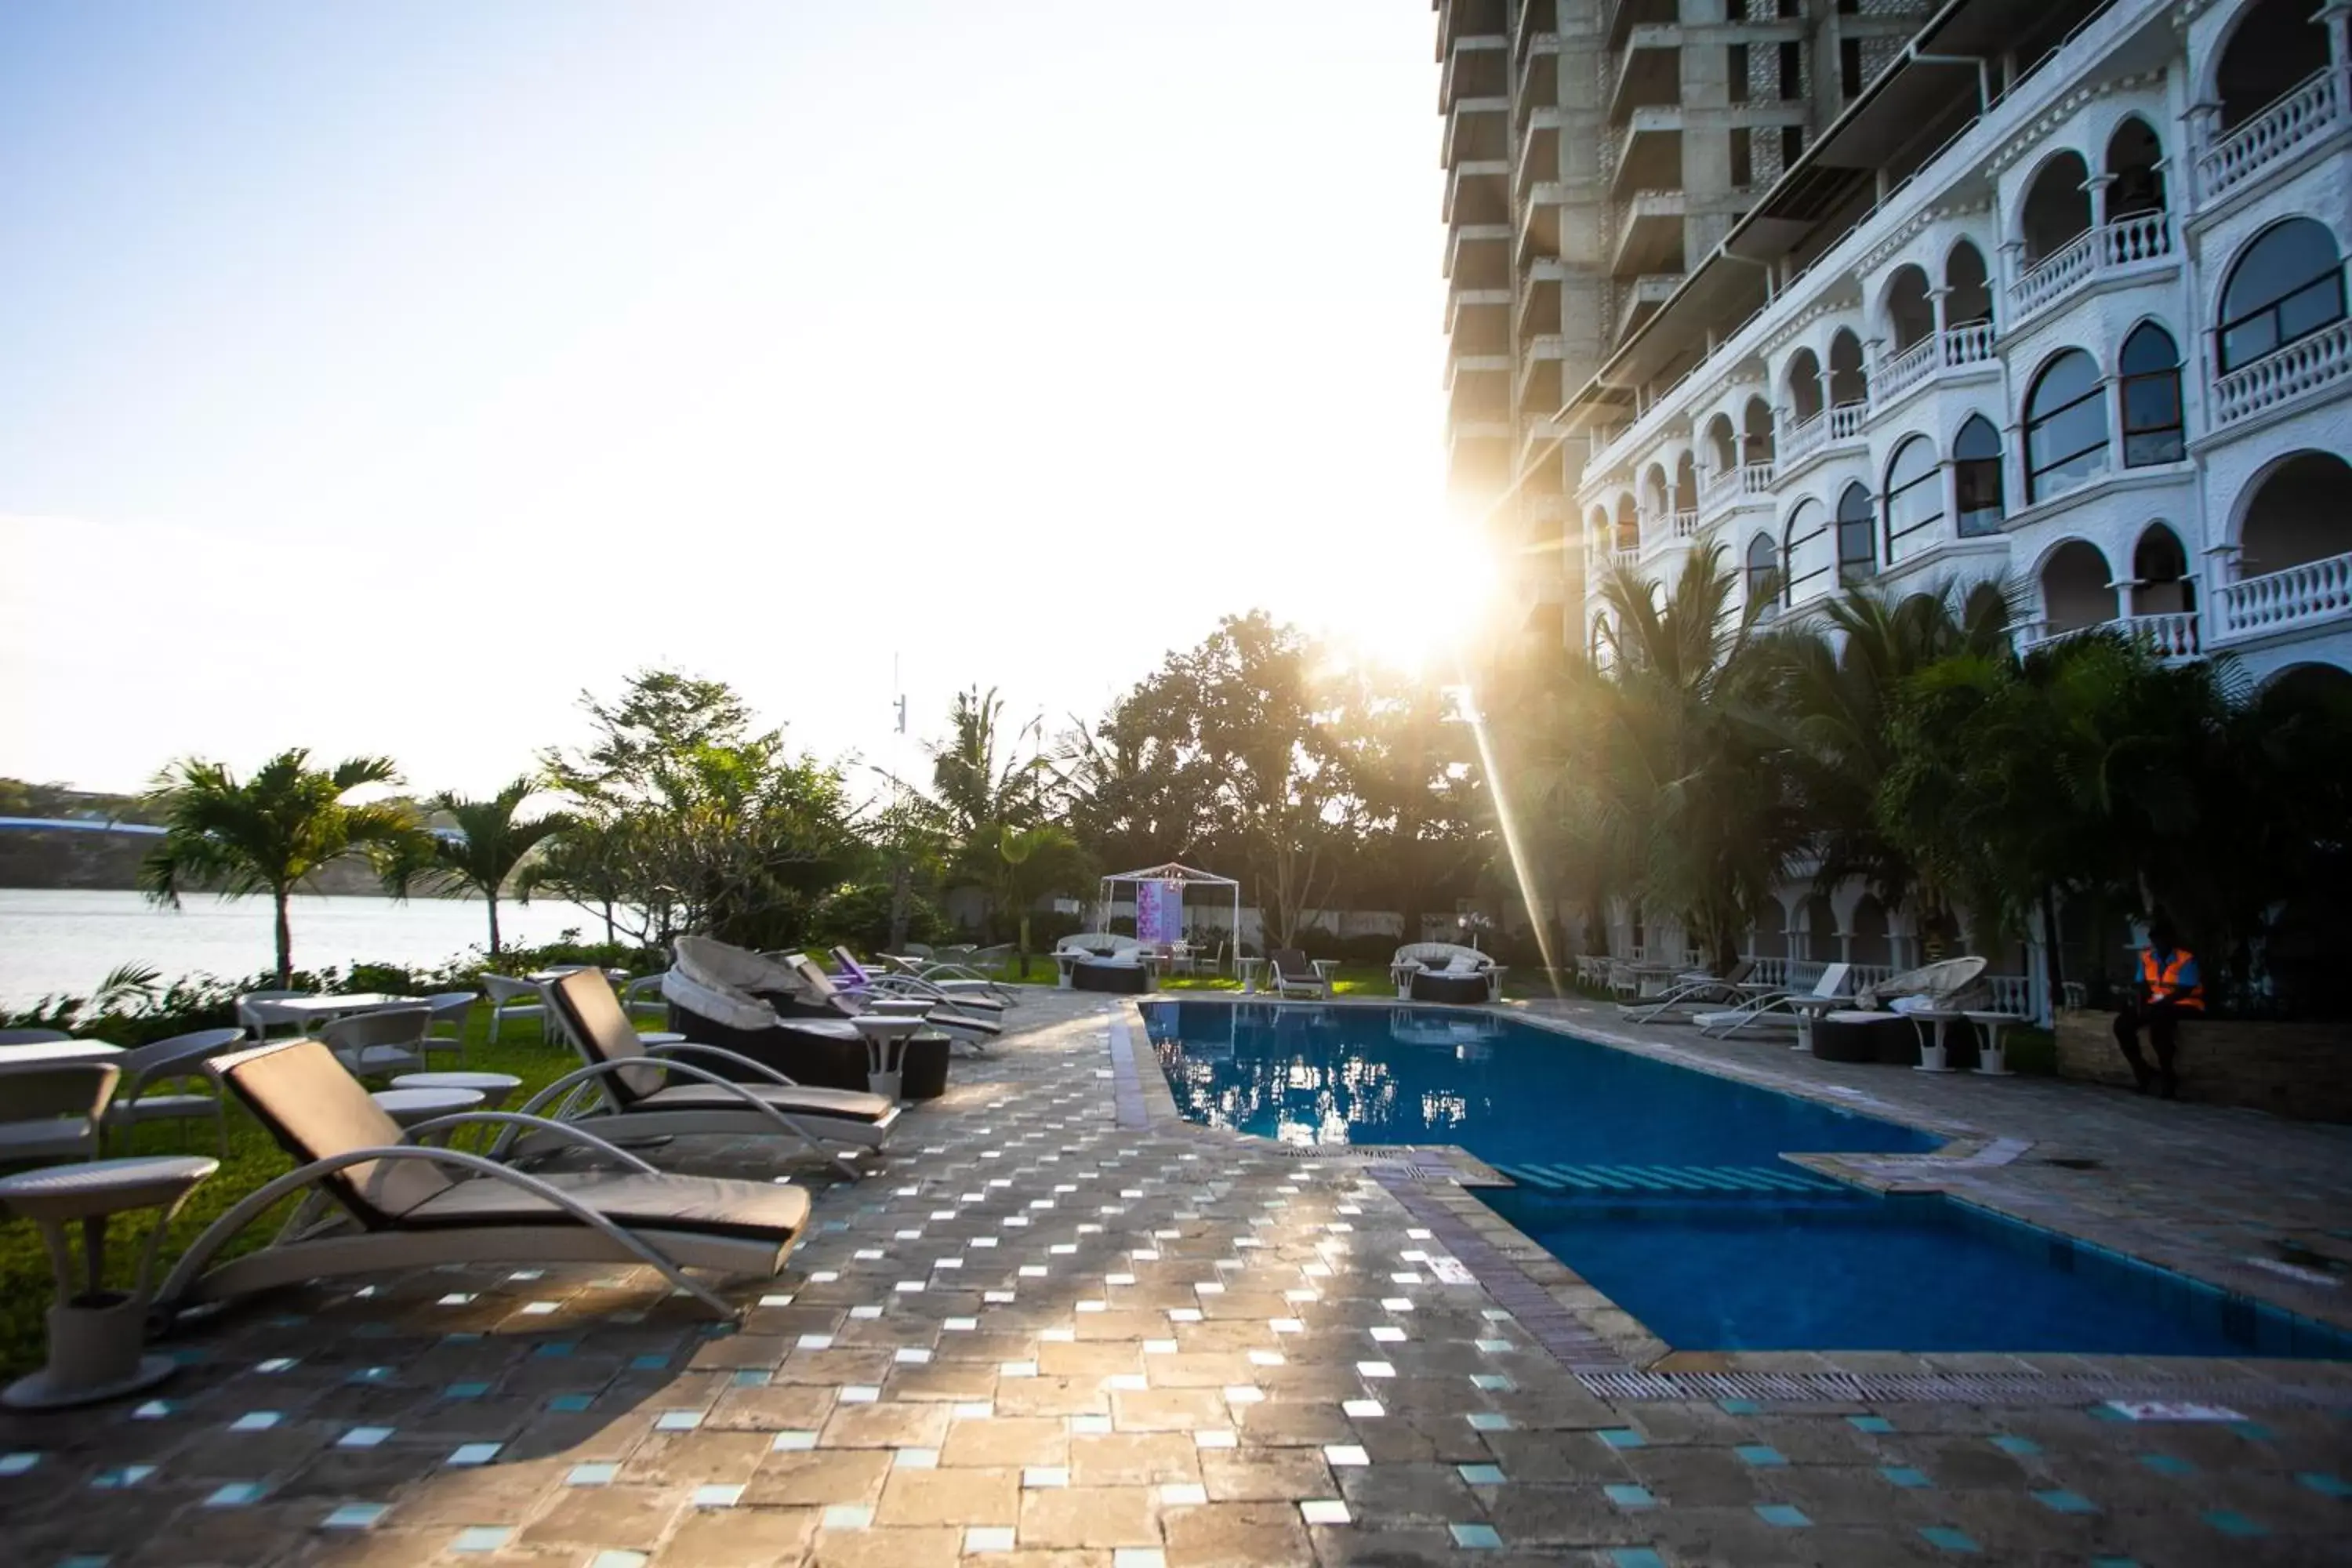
{"x":1696,"y":1180}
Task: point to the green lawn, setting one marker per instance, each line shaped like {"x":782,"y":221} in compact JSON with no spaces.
{"x":26,"y":1287}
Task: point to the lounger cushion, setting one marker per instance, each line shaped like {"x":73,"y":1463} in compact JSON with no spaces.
{"x":842,"y":1104}
{"x":708,"y":1206}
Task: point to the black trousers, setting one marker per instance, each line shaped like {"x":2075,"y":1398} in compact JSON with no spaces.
{"x":2162,"y":1021}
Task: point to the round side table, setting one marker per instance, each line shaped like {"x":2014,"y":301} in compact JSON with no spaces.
{"x":884,"y":1064}
{"x":1992,"y":1057}
{"x":494,"y":1088}
{"x":96,"y":1336}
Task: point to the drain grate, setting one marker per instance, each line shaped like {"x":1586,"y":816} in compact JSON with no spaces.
{"x":1945,"y":1388}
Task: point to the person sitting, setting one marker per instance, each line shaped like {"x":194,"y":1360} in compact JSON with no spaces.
{"x":2169,"y":988}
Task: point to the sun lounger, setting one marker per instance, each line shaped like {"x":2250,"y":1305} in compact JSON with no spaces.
{"x":822,"y":996}
{"x":981,"y":998}
{"x":1780,"y":1009}
{"x":399,"y":1204}
{"x":1681,"y":1004}
{"x":1293,"y":974}
{"x":653,"y":1095}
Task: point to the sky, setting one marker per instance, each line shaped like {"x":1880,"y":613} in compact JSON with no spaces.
{"x":377,"y":377}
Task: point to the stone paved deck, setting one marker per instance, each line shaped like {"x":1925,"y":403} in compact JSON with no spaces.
{"x":1042,"y":1337}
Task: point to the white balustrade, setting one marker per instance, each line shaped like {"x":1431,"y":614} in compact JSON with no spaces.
{"x":2276,"y":601}
{"x":2055,"y":274}
{"x":1756,"y":479}
{"x":2307,"y":111}
{"x":1717,"y":487}
{"x":2126,"y":242}
{"x":1898,"y":374}
{"x":1948,"y":349}
{"x":1686,"y":524}
{"x":1845,"y":421}
{"x":2172,"y":635}
{"x":1970,"y":344}
{"x":2304,"y":365}
{"x":1804,"y":435}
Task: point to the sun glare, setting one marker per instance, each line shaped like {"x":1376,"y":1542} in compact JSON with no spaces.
{"x":1417,"y":604}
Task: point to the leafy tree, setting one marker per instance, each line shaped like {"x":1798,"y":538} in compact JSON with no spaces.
{"x":584,"y":863}
{"x":271,"y":833}
{"x":493,"y":844}
{"x":1413,"y":784}
{"x":701,"y":824}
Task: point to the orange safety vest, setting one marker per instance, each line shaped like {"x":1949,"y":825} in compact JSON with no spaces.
{"x":2166,"y":984}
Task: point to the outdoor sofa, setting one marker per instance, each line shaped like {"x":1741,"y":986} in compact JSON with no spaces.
{"x":1445,"y":972}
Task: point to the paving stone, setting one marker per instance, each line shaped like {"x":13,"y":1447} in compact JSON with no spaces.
{"x":819,"y":1477}
{"x":1237,"y":1535}
{"x":1266,"y":1474}
{"x":1088,"y":1517}
{"x":617,"y":1516}
{"x":1133,"y":1459}
{"x":738,"y":1538}
{"x":959,"y":1497}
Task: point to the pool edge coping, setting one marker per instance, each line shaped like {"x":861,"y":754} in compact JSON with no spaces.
{"x":1412,"y":1174}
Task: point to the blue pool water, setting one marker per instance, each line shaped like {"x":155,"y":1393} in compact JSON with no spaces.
{"x":1504,"y":1090}
{"x":1660,"y":1185}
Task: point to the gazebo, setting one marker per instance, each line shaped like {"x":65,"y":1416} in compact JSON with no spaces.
{"x":1154,"y":910}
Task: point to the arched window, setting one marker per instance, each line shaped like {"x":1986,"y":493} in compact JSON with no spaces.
{"x":1975,"y":478}
{"x":2057,"y":207}
{"x":1804,"y":385}
{"x":2275,"y":49}
{"x":1601,"y":647}
{"x":1629,"y":524}
{"x":1722,"y":445}
{"x":1857,"y":548}
{"x":1685,"y":484}
{"x":2134,"y":183}
{"x":2296,"y":515}
{"x":1596,"y":537}
{"x":1761,"y":570}
{"x":1848,"y":383}
{"x":1756,"y":431}
{"x":2074,"y":591}
{"x":2066,"y":426}
{"x":2287,"y":285}
{"x":1808,"y":555}
{"x":1910,"y":314}
{"x":1968,"y":288}
{"x":1653,"y":491}
{"x":1914,"y":499}
{"x":2160,"y":585}
{"x":2151,"y":397}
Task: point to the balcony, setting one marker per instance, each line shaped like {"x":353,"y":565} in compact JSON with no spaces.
{"x":1539,"y":147}
{"x":2171,"y":637}
{"x":1818,"y":433}
{"x":1725,"y":488}
{"x":2314,"y":594}
{"x":1663,"y":530}
{"x":1643,"y":297}
{"x":1475,"y":67}
{"x":1648,"y":70}
{"x":1478,"y":255}
{"x":2306,"y":114}
{"x":1955,"y":348}
{"x":2284,"y":374}
{"x":2125,"y":244}
{"x":1649,"y":233}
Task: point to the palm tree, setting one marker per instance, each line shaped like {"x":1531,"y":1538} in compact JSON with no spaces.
{"x":272,"y":832}
{"x":1840,"y":678}
{"x":989,"y":803}
{"x":492,"y":842}
{"x":1681,"y":778}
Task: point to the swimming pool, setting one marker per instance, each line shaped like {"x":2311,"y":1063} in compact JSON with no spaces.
{"x":1665,"y":1188}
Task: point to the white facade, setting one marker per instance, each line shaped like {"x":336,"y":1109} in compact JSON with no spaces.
{"x":2108,"y":319}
